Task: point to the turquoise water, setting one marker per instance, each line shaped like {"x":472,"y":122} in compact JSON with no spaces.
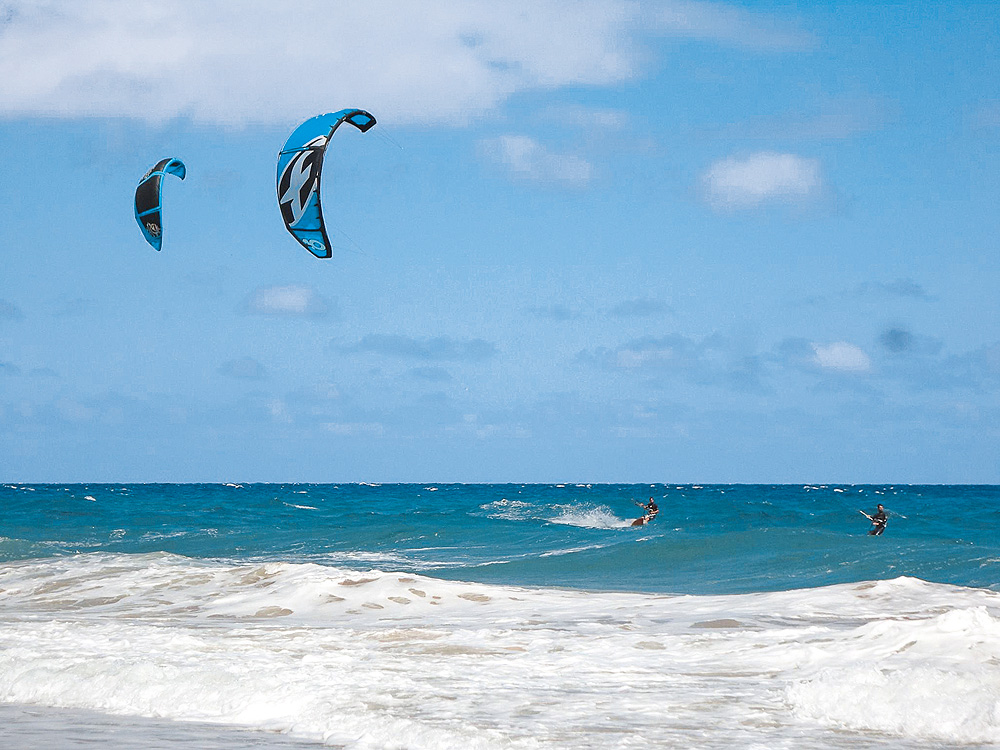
{"x":526,"y":617}
{"x":713,"y":539}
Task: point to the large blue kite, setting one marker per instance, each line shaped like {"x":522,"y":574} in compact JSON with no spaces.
{"x":300,"y":164}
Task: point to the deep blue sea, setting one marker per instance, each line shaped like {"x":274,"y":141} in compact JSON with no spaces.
{"x":500,"y":615}
{"x":713,"y":539}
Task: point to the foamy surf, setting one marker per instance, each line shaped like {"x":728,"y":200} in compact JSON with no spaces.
{"x":582,"y":515}
{"x":589,"y":517}
{"x":376,"y":659}
{"x":300,"y":507}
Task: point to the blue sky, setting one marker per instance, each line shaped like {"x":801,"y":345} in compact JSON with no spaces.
{"x":597,"y":241}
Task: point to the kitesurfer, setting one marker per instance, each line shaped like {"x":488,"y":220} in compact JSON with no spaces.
{"x":650,"y":508}
{"x":879,"y":520}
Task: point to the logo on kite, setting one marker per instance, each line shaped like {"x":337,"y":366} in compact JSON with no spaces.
{"x":300,"y":165}
{"x":316,"y":246}
{"x":148,"y":211}
{"x":299,"y":181}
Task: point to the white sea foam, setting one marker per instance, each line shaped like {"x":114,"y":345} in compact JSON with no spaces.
{"x":589,"y":516}
{"x":509,"y":510}
{"x":374,"y":659}
{"x":571,"y":550}
{"x":571,"y":514}
{"x":392,"y":559}
{"x":153,"y":536}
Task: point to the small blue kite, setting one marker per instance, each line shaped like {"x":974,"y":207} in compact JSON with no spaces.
{"x":147,"y":199}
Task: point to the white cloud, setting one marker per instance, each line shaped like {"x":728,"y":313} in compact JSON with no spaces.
{"x":440,"y":348}
{"x":830,"y":119}
{"x":292,"y":300}
{"x":355,"y":429}
{"x":239,"y":61}
{"x":715,"y":359}
{"x":246,"y":61}
{"x":527,"y":158}
{"x":278,"y":410}
{"x":841,"y":355}
{"x":589,"y":118}
{"x":726,"y":24}
{"x":74,"y":411}
{"x":760,"y":178}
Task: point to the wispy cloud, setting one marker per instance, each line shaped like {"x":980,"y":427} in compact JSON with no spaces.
{"x":979,"y":368}
{"x":830,"y":120}
{"x":259,"y":61}
{"x":245,"y":61}
{"x":526,"y":158}
{"x":10,"y":311}
{"x":897,"y":288}
{"x":355,"y":429}
{"x":985,"y":117}
{"x":811,"y":356}
{"x":714,"y":360}
{"x":555,"y":312}
{"x":73,"y":306}
{"x":431,"y":374}
{"x":292,"y":300}
{"x":898,"y":341}
{"x":640,"y":308}
{"x":761,"y":178}
{"x":441,"y":348}
{"x":586,"y":117}
{"x":726,"y":24}
{"x":244,"y":368}
{"x":842,"y":356}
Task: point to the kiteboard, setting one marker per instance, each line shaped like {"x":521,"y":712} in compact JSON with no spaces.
{"x":651,"y":511}
{"x":644,"y":520}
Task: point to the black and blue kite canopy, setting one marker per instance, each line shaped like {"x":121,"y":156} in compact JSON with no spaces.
{"x":148,"y":212}
{"x":300,"y":165}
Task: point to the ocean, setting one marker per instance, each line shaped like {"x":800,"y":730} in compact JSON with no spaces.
{"x":498,"y":616}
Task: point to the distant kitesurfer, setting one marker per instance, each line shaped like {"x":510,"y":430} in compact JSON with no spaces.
{"x":879,"y":520}
{"x":650,"y":508}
